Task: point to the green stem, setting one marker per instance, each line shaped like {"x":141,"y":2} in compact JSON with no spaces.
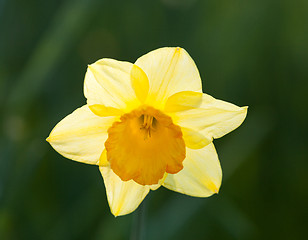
{"x":138,"y":226}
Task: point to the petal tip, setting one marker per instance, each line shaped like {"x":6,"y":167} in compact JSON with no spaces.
{"x":244,"y":110}
{"x":115,"y":214}
{"x":91,"y":67}
{"x":213,"y":186}
{"x":119,"y":212}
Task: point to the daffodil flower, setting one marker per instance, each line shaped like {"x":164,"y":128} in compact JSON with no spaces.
{"x":147,"y":125}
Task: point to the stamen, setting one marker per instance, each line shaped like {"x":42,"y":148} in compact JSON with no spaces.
{"x":147,"y":125}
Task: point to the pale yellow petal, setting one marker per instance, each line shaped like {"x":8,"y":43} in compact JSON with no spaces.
{"x":214,"y":118}
{"x":103,"y":111}
{"x":107,"y":82}
{"x":201,"y":175}
{"x":194,"y":139}
{"x":182,"y":101}
{"x":169,"y":70}
{"x":123,"y":197}
{"x":81,"y":135}
{"x":140,"y":82}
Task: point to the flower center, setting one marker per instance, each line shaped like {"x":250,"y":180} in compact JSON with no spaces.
{"x":148,"y":125}
{"x":144,"y":145}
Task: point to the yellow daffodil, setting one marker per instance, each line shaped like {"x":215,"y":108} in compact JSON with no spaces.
{"x":147,"y":125}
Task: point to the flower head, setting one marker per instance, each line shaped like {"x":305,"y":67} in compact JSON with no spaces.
{"x":148,"y":125}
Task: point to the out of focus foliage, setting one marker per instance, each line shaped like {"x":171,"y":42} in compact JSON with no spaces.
{"x":251,"y":53}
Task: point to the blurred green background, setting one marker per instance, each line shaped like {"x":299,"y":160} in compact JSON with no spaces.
{"x":249,"y":52}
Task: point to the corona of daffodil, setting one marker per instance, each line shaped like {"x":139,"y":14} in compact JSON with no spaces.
{"x":147,"y":125}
